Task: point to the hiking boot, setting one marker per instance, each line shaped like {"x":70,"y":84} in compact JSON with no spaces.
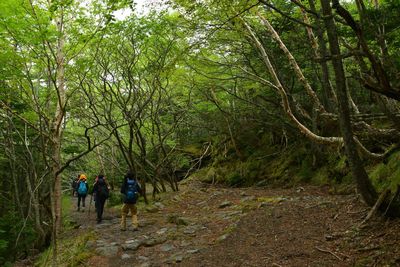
{"x":123,"y":229}
{"x":83,"y":210}
{"x":135,"y":228}
{"x":77,"y":209}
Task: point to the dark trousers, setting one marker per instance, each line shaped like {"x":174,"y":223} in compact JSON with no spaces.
{"x":100,"y":207}
{"x":81,"y":197}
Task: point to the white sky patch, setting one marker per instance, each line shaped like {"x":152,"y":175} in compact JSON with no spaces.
{"x":142,"y":8}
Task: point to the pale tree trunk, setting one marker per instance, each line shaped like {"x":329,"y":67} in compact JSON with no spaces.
{"x":100,"y":158}
{"x":56,"y":133}
{"x":364,"y":184}
{"x":285,"y":101}
{"x":293,"y":63}
{"x":58,"y":119}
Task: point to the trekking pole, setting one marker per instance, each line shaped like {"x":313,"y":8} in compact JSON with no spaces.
{"x":90,"y":204}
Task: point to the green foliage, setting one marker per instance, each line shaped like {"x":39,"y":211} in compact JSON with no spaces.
{"x":3,"y":248}
{"x":73,"y":252}
{"x":114,"y":199}
{"x":234,"y":178}
{"x":16,"y":236}
{"x":387,"y":174}
{"x":306,"y":169}
{"x":157,"y":88}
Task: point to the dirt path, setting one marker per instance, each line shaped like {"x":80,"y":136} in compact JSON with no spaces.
{"x":212,"y":226}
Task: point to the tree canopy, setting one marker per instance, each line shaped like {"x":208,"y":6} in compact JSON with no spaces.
{"x":186,"y":85}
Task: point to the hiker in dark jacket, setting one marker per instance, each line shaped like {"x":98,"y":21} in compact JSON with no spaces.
{"x":130,"y":189}
{"x":74,"y":184}
{"x":101,"y":193}
{"x":82,"y":189}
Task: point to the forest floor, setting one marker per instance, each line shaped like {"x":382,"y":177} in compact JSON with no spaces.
{"x":206,"y":225}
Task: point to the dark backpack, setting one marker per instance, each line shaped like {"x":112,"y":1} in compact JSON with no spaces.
{"x":131,"y":191}
{"x":82,"y":189}
{"x":102,"y":189}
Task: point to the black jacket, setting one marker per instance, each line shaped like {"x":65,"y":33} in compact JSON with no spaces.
{"x":101,"y":186}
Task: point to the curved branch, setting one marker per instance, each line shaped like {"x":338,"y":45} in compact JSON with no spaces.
{"x":285,"y":101}
{"x":302,"y":79}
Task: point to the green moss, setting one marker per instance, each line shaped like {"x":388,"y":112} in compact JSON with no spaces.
{"x":230,"y":229}
{"x":193,"y":149}
{"x":320,"y":176}
{"x":306,"y":170}
{"x":292,"y":166}
{"x":384,"y":175}
{"x":379,"y":175}
{"x":234,"y":179}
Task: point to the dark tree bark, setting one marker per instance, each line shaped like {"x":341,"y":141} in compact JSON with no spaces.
{"x":364,"y":184}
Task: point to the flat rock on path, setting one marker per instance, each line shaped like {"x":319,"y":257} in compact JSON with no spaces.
{"x":216,"y":226}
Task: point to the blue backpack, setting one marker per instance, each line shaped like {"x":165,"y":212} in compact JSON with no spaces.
{"x":82,"y":189}
{"x":131,"y":191}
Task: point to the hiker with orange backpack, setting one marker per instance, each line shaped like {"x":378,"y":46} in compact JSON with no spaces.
{"x":82,"y":189}
{"x":130,"y":189}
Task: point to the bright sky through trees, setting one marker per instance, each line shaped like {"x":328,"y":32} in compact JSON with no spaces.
{"x":142,"y":7}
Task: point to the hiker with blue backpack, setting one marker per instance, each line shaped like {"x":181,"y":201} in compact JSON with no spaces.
{"x":101,"y":192}
{"x":130,"y":189}
{"x":82,"y":189}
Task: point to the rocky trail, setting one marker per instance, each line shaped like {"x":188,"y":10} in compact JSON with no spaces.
{"x":205,"y":225}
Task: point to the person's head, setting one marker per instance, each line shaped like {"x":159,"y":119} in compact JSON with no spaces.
{"x":130,"y":175}
{"x":101,"y":176}
{"x":82,"y":177}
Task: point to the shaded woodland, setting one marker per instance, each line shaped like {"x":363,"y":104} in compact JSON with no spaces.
{"x":242,"y":92}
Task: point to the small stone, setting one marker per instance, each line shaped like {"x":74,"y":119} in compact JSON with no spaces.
{"x":192,"y":251}
{"x":262,"y":183}
{"x":225,"y":204}
{"x":175,"y":258}
{"x":178,"y":258}
{"x":142,"y":258}
{"x":132,"y":246}
{"x":159,"y":205}
{"x":162,"y":231}
{"x":152,"y":209}
{"x":248,"y":198}
{"x":108,"y":251}
{"x":176,"y":199}
{"x":167,"y":247}
{"x":222,"y":237}
{"x":185,"y":243}
{"x":125,"y":256}
{"x":189,"y":230}
{"x":153,"y":241}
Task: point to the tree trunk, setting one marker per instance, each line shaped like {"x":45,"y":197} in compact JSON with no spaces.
{"x":364,"y":184}
{"x":330,"y":98}
{"x":56,"y":134}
